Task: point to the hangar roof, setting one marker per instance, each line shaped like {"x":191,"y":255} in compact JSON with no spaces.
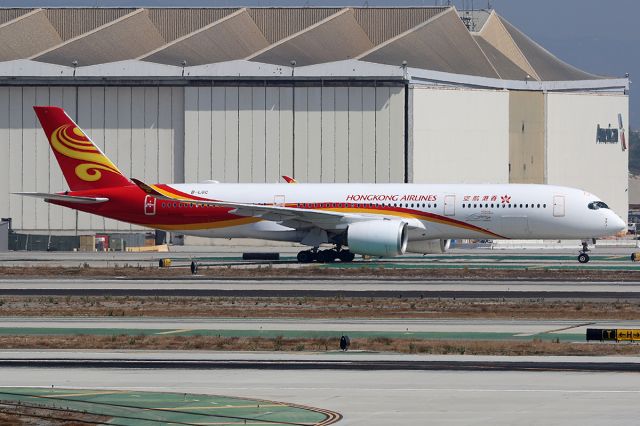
{"x":438,"y":39}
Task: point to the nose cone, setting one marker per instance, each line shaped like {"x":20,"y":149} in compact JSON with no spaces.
{"x":616,"y":224}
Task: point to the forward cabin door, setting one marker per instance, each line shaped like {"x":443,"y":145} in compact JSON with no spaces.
{"x":558,"y":205}
{"x":449,"y":205}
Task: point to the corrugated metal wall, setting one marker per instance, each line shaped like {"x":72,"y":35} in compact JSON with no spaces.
{"x":140,"y":129}
{"x":173,"y":23}
{"x":71,"y":22}
{"x":316,"y":134}
{"x":7,"y":15}
{"x":278,"y":23}
{"x":381,"y":24}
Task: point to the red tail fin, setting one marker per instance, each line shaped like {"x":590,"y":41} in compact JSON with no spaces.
{"x":83,"y":164}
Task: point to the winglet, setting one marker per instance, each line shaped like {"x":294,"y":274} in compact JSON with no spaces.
{"x":289,"y":179}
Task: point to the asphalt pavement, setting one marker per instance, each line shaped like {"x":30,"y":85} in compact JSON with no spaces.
{"x":372,"y":397}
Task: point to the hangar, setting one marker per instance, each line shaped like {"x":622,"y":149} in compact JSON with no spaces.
{"x":424,"y":95}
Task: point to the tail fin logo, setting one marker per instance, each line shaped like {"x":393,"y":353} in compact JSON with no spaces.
{"x":68,"y":140}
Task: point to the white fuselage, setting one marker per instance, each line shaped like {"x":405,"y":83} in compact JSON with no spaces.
{"x":455,"y":211}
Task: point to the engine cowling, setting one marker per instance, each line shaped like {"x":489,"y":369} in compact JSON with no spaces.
{"x":378,"y":237}
{"x":428,"y":246}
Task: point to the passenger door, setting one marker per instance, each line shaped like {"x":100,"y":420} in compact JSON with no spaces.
{"x":149,"y":205}
{"x":558,"y":205}
{"x":449,"y":205}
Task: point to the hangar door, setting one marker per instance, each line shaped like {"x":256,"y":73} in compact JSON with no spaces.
{"x":315,"y":134}
{"x":138,"y":128}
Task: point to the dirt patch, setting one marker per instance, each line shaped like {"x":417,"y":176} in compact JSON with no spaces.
{"x":12,"y":414}
{"x":318,"y":271}
{"x":376,"y":344}
{"x":309,"y":307}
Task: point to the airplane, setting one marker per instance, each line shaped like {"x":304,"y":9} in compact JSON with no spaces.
{"x":378,"y":220}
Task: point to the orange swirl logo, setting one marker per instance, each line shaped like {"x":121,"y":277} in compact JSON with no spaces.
{"x":69,"y":141}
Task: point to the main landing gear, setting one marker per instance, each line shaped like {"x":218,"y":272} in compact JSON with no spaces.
{"x":325,"y":256}
{"x":583,"y":257}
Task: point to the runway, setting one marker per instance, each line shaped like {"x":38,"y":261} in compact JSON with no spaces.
{"x":373,"y":397}
{"x":331,"y":287}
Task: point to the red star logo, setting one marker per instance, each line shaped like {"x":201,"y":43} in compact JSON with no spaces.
{"x":506,"y":199}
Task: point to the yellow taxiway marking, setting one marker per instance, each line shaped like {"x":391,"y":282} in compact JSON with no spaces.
{"x":185,"y":330}
{"x":211,"y":407}
{"x":66,"y":395}
{"x":617,"y":257}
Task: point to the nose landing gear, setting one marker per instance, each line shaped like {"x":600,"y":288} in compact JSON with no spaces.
{"x":325,"y":256}
{"x":583,"y":257}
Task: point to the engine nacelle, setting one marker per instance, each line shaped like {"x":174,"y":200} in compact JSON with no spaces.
{"x":378,"y":237}
{"x":428,"y":246}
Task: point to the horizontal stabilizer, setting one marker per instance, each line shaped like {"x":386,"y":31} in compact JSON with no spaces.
{"x":65,"y":198}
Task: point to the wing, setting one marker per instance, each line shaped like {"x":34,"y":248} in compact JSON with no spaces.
{"x":65,"y":198}
{"x":288,"y":216}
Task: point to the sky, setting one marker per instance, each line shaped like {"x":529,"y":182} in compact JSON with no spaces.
{"x":598,"y":36}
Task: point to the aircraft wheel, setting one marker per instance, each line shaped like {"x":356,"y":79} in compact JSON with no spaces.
{"x":346,"y":256}
{"x":194,"y":267}
{"x":305,"y":256}
{"x":583,"y":258}
{"x":322,"y":256}
{"x":327,"y":256}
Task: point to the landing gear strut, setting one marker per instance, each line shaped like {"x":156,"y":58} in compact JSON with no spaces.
{"x":325,"y":256}
{"x":583,"y":257}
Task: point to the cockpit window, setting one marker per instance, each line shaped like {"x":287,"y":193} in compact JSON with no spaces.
{"x":595,"y":205}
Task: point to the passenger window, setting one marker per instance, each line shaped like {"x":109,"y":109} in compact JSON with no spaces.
{"x":544,"y":206}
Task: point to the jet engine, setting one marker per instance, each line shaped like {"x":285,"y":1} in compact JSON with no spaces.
{"x":428,"y":246}
{"x":378,"y":237}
